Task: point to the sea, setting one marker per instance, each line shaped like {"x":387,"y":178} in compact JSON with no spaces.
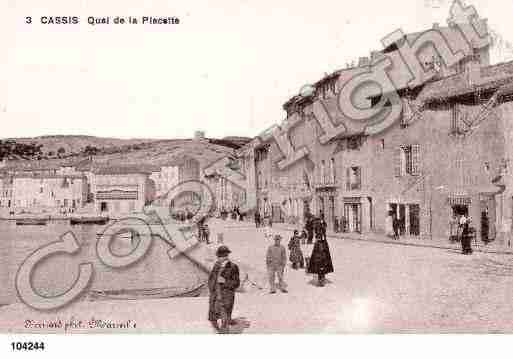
{"x":155,"y":272}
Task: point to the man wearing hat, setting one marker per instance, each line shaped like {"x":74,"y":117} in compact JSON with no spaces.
{"x":276,"y":259}
{"x":222,"y":283}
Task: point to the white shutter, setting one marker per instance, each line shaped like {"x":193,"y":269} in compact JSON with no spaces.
{"x":415,"y":154}
{"x":398,"y":162}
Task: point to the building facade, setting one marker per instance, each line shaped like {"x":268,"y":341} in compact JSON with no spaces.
{"x":446,"y":155}
{"x":122,"y":190}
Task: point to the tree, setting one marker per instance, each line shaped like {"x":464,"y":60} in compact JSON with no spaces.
{"x":91,"y":150}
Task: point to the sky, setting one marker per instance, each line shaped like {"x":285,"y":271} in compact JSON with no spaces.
{"x":226,"y":69}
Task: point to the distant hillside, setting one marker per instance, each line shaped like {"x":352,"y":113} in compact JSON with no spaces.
{"x":69,"y":145}
{"x":58,"y":148}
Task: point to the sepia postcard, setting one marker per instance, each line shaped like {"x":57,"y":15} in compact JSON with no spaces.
{"x":256,"y":167}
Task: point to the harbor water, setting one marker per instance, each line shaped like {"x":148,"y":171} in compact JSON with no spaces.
{"x":156,"y":271}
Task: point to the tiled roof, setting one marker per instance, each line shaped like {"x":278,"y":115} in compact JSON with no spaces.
{"x":458,"y":85}
{"x":32,"y":165}
{"x":127,"y":169}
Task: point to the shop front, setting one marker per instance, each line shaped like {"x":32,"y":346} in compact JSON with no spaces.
{"x":408,"y":215}
{"x":352,"y":218}
{"x":326,"y":205}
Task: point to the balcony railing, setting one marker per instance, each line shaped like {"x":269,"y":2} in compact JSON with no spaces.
{"x":327,"y":182}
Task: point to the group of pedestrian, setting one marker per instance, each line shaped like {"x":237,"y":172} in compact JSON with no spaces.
{"x":224,"y":277}
{"x":203,"y":231}
{"x":315,"y":259}
{"x":262,"y":221}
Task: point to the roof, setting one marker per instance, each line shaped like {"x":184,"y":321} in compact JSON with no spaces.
{"x":50,"y":177}
{"x":126,"y":169}
{"x":26,"y":165}
{"x":499,"y":76}
{"x":399,"y":72}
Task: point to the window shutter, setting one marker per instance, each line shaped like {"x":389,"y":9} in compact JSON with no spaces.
{"x":397,"y":162}
{"x":348,"y":178}
{"x":415,"y":154}
{"x":359,"y":177}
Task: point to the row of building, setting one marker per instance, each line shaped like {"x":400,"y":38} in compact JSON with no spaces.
{"x":97,"y":186}
{"x":450,"y":155}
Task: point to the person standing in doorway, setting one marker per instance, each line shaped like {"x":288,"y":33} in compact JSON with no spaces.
{"x":222,"y":283}
{"x":396,"y":224}
{"x":466,"y":236}
{"x":276,"y":260}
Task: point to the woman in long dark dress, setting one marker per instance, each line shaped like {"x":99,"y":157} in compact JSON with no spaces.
{"x":320,"y":261}
{"x":466,"y":236}
{"x":296,"y":255}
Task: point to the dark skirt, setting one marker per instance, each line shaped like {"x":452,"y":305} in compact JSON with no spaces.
{"x":466,"y":244}
{"x":218,"y":305}
{"x":320,"y":260}
{"x":296,"y":255}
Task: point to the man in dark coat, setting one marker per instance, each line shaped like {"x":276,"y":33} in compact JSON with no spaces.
{"x":222,"y":283}
{"x":257,"y":219}
{"x":396,"y":225}
{"x":309,"y":226}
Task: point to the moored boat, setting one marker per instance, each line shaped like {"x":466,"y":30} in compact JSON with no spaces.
{"x":31,"y":222}
{"x":89,"y":220}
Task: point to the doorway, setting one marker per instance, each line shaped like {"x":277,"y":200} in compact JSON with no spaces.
{"x":414,"y":210}
{"x":460,"y":210}
{"x":402,"y":219}
{"x":104,"y":207}
{"x":353,"y":216}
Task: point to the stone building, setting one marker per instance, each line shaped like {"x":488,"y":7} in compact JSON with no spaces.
{"x":45,"y":193}
{"x":165,"y":179}
{"x":445,"y":154}
{"x":119,"y":190}
{"x":6,"y":192}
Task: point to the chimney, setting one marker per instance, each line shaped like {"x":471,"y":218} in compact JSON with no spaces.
{"x":363,"y":61}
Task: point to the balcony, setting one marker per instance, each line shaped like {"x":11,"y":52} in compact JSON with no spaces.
{"x":327,"y":183}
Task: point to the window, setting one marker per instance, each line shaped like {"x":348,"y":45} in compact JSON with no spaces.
{"x":323,"y":172}
{"x":382,"y":143}
{"x":407,"y":160}
{"x":454,"y":118}
{"x":354,"y":143}
{"x":332,"y":171}
{"x":41,"y":190}
{"x":261,"y":154}
{"x":354,"y":178}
